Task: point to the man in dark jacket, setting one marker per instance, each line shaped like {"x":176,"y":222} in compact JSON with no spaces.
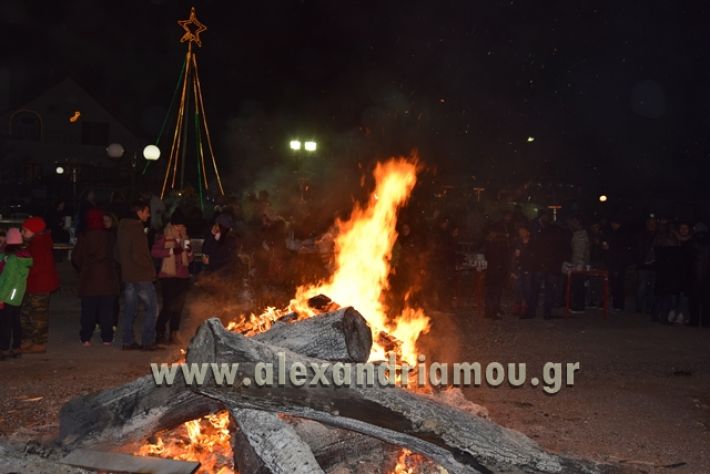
{"x":41,"y":283}
{"x":94,"y":258}
{"x":550,"y":248}
{"x":497,"y":254}
{"x":645,"y":267}
{"x":699,"y":288}
{"x":620,"y":255}
{"x":138,"y":275}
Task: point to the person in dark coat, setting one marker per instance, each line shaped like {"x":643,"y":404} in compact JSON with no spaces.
{"x":497,"y":252}
{"x":620,"y":255}
{"x":522,"y":271}
{"x":219,"y":252}
{"x":550,"y":248}
{"x":443,"y":272}
{"x":666,"y":256}
{"x":645,"y":267}
{"x":699,"y":285}
{"x":94,"y":258}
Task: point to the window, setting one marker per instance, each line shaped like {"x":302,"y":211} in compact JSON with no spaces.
{"x":94,"y":133}
{"x":26,"y":125}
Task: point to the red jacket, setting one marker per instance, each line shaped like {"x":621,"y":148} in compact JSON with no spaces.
{"x":43,"y":273}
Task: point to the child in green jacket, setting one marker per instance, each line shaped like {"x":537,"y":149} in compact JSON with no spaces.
{"x":15,"y":263}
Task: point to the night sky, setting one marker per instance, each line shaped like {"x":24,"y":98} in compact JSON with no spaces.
{"x":616,"y":93}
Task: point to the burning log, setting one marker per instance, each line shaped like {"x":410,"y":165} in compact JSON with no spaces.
{"x":130,"y":412}
{"x":456,"y":440}
{"x":140,"y":408}
{"x":265,"y":444}
{"x":345,"y":452}
{"x":341,"y":335}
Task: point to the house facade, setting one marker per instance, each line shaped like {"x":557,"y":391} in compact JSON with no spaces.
{"x":55,"y":145}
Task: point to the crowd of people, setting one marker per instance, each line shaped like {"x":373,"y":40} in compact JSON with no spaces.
{"x":112,"y":256}
{"x":664,"y":268}
{"x":526,"y":263}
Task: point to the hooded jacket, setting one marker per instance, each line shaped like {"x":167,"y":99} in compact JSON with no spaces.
{"x":43,"y":274}
{"x":13,"y":279}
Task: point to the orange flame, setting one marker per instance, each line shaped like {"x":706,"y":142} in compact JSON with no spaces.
{"x":363,"y":249}
{"x":205,"y":440}
{"x":408,"y":462}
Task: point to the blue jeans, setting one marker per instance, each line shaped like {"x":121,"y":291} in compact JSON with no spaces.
{"x":145,"y":291}
{"x":552,"y":282}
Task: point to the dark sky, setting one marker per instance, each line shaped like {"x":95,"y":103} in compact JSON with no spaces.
{"x":616,"y":93}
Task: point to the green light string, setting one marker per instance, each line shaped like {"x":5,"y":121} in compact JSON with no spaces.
{"x":170,"y":110}
{"x":198,"y":142}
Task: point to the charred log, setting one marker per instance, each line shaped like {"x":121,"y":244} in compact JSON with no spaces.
{"x":130,"y":412}
{"x":345,"y":452}
{"x":264,"y":444}
{"x":140,"y":408}
{"x":455,"y":439}
{"x":341,"y":335}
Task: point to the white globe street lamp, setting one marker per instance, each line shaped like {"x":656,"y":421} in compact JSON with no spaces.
{"x":151,"y":153}
{"x":310,"y":146}
{"x":295,"y":145}
{"x":59,"y":170}
{"x":115,"y":150}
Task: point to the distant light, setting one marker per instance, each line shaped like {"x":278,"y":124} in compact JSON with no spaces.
{"x":603,"y":198}
{"x":295,"y":145}
{"x":531,"y":139}
{"x":310,"y":146}
{"x":115,"y":150}
{"x":74,"y":118}
{"x":151,"y":153}
{"x":59,"y":170}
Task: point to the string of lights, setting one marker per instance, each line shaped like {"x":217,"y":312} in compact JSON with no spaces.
{"x":189,"y":85}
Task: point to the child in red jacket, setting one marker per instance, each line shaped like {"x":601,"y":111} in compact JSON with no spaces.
{"x":41,"y":283}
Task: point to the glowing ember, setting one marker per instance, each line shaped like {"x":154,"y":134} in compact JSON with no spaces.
{"x":205,"y":440}
{"x":408,"y":462}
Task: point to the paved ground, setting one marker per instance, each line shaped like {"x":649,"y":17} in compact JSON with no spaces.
{"x":642,"y":396}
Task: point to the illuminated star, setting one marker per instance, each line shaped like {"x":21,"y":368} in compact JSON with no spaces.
{"x":192,"y":28}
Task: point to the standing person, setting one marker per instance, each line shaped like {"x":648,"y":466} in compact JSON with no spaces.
{"x":111,"y":226}
{"x":645,"y":267}
{"x":15,"y":263}
{"x":172,"y":246}
{"x":684,"y":236}
{"x":522,"y":271}
{"x":219,"y":251}
{"x":138,"y":274}
{"x":93,"y":258}
{"x":551,"y":248}
{"x":41,"y":283}
{"x":445,"y":256}
{"x":699,"y":286}
{"x":620,"y":255}
{"x":87,"y":202}
{"x":580,"y":259}
{"x":666,"y":250}
{"x":497,"y":254}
